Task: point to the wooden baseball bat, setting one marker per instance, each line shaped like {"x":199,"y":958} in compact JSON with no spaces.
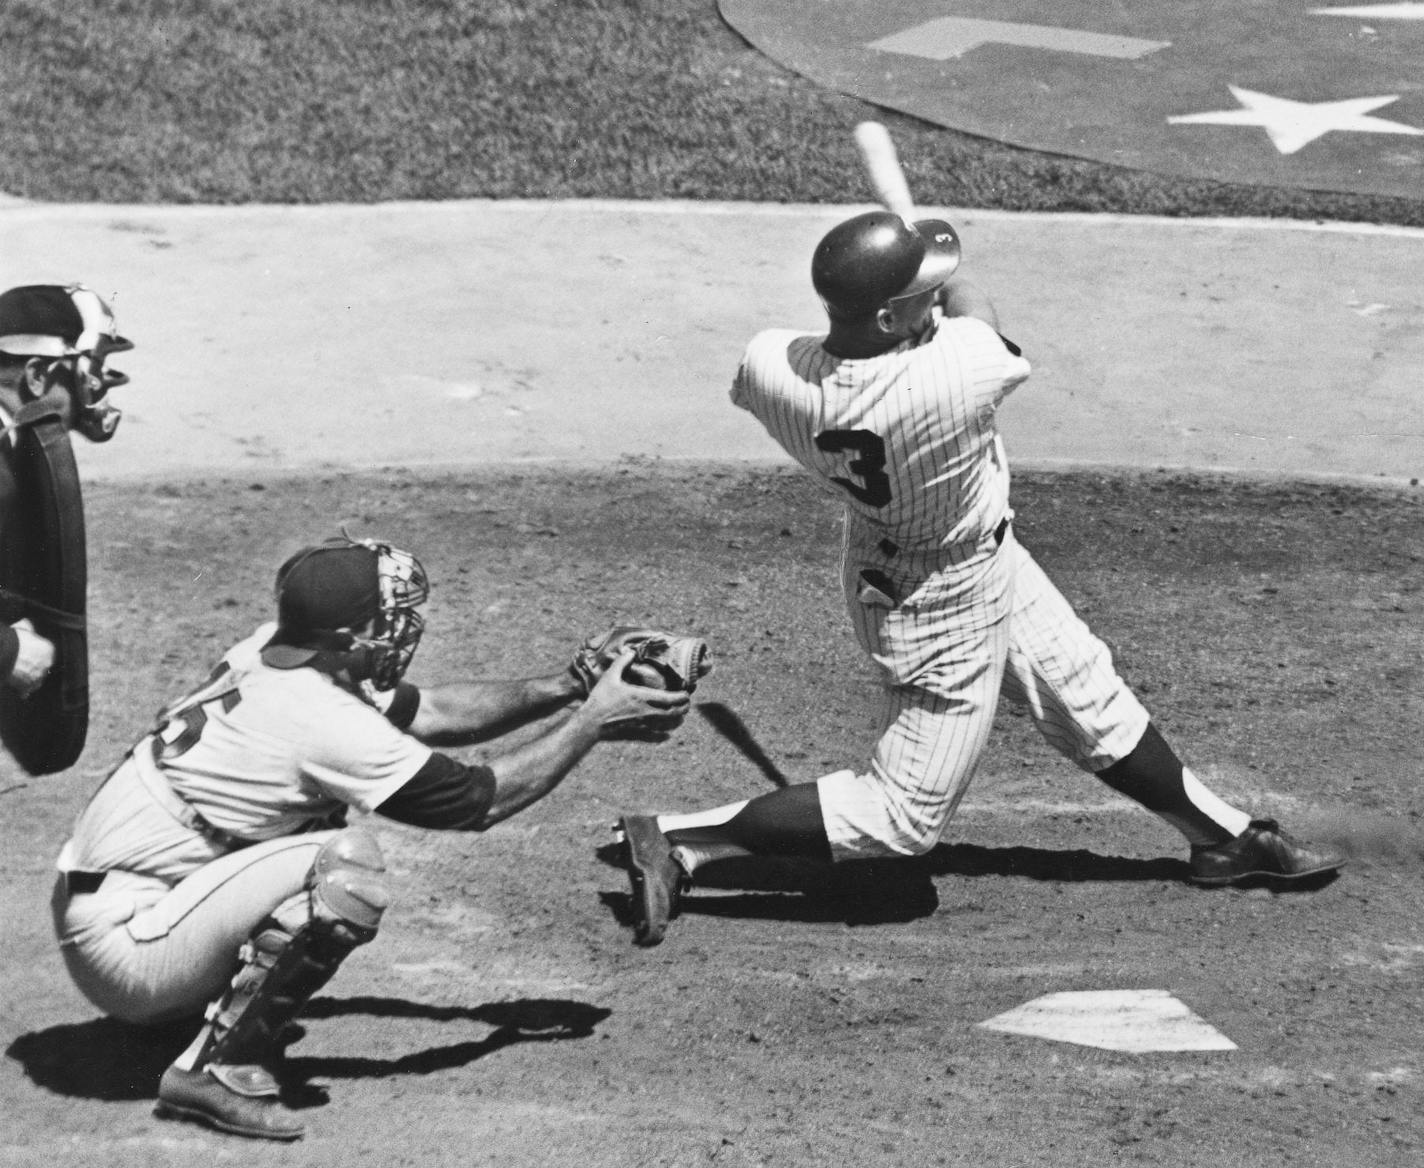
{"x":882,"y":165}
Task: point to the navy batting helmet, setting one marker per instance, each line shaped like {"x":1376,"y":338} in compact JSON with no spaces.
{"x":877,"y":256}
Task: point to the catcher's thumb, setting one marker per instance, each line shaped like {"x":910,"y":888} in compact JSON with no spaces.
{"x":620,"y":663}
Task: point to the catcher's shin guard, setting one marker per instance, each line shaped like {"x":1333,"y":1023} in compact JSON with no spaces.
{"x":295,"y":951}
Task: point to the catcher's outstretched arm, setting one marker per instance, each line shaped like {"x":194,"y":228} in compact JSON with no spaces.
{"x":464,"y":712}
{"x":530,"y":771}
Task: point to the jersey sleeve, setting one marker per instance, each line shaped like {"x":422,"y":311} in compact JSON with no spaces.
{"x":995,"y":365}
{"x":359,"y":757}
{"x":762,"y":368}
{"x":444,"y":795}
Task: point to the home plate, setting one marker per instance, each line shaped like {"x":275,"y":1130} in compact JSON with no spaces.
{"x":1131,"y":1020}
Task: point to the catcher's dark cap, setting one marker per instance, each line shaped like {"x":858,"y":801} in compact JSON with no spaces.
{"x":319,"y":590}
{"x":39,"y":320}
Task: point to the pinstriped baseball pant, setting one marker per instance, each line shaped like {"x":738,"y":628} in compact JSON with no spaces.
{"x":993,"y":624}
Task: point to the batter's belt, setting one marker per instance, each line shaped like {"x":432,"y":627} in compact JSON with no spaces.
{"x":878,"y":587}
{"x":889,"y":547}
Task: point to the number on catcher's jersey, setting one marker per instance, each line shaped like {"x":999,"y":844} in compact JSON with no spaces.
{"x":180,"y":724}
{"x":868,"y":463}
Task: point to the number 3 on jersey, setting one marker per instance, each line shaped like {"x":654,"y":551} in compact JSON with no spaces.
{"x":868,"y":464}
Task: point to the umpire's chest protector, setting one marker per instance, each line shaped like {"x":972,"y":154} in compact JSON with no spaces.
{"x":43,"y":560}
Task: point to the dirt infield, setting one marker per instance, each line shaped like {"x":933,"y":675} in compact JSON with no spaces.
{"x":800,"y":1017}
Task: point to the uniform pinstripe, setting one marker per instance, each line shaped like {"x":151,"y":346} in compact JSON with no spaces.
{"x":908,"y":440}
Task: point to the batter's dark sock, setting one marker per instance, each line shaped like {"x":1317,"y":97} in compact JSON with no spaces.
{"x":1154,"y":776}
{"x":785,"y":822}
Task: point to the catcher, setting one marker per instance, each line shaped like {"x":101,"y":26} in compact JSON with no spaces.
{"x":215,"y":868}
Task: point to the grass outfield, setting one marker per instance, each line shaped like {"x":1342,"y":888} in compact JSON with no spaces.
{"x":277,"y":101}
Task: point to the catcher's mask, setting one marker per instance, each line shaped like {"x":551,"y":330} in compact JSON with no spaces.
{"x":354,"y":597}
{"x":73,"y":329}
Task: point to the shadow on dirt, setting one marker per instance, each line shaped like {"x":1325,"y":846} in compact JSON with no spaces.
{"x":102,"y":1058}
{"x":1069,"y":867}
{"x":526,"y":1020}
{"x":109,"y":1060}
{"x":876,"y":892}
{"x":728,"y":723}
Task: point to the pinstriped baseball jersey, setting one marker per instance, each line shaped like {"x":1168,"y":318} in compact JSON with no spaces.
{"x":907,"y":438}
{"x":943,"y":599}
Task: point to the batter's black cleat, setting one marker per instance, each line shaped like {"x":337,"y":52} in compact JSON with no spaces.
{"x":658,"y":880}
{"x":1262,"y":854}
{"x":239,"y":1100}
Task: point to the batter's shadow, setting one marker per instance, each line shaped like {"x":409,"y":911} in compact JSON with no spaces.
{"x":881,"y":892}
{"x":114,"y":1061}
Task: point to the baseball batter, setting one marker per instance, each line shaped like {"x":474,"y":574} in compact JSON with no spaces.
{"x":214,"y":871}
{"x":894,"y":410}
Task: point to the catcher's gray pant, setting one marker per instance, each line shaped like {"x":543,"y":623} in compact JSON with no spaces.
{"x":144,"y":951}
{"x":993,"y":622}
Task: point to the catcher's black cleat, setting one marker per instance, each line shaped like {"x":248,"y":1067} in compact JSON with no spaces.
{"x":658,"y":880}
{"x":1263,"y":853}
{"x":240,"y":1100}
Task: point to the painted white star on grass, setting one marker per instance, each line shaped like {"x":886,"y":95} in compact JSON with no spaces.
{"x":1293,"y":124}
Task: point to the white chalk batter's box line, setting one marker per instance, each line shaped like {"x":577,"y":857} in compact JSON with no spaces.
{"x":989,"y":806}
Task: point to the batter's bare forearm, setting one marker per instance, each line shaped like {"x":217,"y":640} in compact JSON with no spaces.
{"x":961,"y":297}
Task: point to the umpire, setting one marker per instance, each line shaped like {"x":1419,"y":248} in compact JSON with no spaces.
{"x":215,"y":868}
{"x":54,"y":341}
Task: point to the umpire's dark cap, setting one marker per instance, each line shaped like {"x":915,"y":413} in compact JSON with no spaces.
{"x":39,"y":320}
{"x":321,"y":590}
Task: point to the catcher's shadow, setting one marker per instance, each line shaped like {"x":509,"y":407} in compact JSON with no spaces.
{"x":526,"y":1020}
{"x":113,"y":1061}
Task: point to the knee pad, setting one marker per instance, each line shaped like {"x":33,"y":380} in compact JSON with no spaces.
{"x":348,"y":882}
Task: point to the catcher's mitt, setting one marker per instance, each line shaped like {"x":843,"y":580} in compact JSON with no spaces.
{"x":660,"y":660}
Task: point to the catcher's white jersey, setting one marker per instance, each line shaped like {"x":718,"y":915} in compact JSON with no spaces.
{"x":258,"y":752}
{"x":907,"y":438}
